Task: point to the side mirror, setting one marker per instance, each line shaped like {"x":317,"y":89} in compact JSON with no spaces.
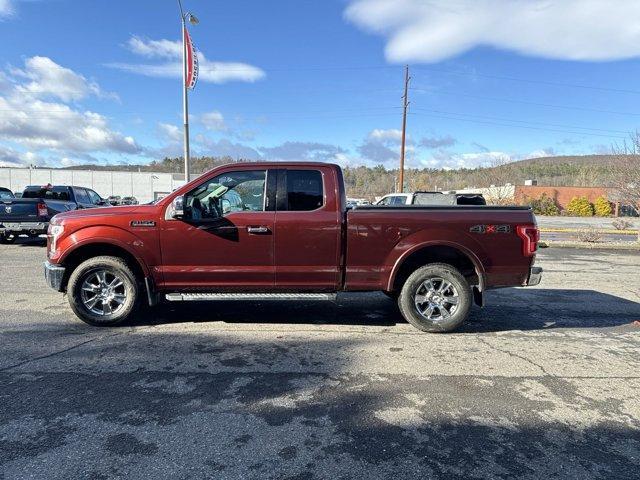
{"x":177,"y":207}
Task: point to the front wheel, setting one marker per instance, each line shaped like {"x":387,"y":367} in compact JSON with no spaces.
{"x":103,"y":291}
{"x":435,"y":298}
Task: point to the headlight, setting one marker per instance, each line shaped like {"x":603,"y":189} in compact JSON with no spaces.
{"x":54,"y":232}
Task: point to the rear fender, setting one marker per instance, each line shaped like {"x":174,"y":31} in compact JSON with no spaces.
{"x":423,"y":239}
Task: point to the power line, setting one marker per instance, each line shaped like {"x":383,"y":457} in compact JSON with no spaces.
{"x":527,"y":80}
{"x":524,"y":102}
{"x":441,"y":70}
{"x":523,"y":121}
{"x":517,"y":126}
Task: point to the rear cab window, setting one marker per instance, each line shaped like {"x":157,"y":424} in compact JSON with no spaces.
{"x":305,"y":190}
{"x":53,"y":193}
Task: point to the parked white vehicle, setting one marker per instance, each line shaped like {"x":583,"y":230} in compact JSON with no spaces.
{"x":431,"y":198}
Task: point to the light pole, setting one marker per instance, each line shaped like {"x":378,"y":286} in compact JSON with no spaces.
{"x":184,"y":16}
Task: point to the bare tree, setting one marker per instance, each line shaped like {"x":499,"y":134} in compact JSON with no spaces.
{"x":499,"y":180}
{"x":627,"y":167}
{"x":627,"y":178}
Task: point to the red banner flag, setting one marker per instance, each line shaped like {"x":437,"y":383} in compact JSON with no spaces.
{"x":192,"y":62}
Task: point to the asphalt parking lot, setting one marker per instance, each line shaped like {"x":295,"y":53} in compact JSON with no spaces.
{"x":542,"y":383}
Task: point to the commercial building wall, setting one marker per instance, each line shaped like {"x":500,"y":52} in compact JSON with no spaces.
{"x":145,"y":186}
{"x":562,"y":195}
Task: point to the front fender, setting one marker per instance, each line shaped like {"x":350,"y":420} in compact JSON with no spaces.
{"x":136,"y":246}
{"x":432,"y":238}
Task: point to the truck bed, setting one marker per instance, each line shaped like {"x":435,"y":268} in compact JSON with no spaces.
{"x":378,"y":237}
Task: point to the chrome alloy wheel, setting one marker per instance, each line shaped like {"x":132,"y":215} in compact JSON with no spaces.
{"x":103,"y":293}
{"x":436,"y":299}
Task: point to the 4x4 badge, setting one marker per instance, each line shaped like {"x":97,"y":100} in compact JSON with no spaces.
{"x":490,"y":229}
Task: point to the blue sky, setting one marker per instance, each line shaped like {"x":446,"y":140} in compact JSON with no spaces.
{"x":492,"y":80}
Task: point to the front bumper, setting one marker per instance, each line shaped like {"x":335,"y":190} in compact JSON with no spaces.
{"x":535,"y":276}
{"x":54,"y":274}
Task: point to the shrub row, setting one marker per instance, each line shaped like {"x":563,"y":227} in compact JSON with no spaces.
{"x":577,"y":207}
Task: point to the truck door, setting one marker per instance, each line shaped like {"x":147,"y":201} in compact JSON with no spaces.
{"x":225,"y":240}
{"x":307,"y":230}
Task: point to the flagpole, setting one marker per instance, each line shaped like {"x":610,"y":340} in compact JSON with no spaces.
{"x":185,"y":97}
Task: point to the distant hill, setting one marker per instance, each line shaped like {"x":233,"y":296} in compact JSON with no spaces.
{"x":585,"y":170}
{"x":601,"y":160}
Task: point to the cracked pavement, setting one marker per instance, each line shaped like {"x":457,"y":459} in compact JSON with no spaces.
{"x":543,"y":382}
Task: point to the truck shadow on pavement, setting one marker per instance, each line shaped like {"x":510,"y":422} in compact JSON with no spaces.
{"x":243,"y":407}
{"x":507,"y":309}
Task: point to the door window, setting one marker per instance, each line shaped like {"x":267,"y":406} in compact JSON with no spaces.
{"x":241,"y":191}
{"x":94,"y":197}
{"x":81,"y":195}
{"x":304,"y":190}
{"x":397,"y":200}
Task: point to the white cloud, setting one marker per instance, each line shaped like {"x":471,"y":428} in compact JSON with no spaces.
{"x":442,"y":158}
{"x":10,"y":157}
{"x":171,"y":53}
{"x":391,"y":134}
{"x":6,"y":8}
{"x":432,"y":31}
{"x":226,"y":148}
{"x":45,"y":78}
{"x":34,"y":121}
{"x":310,"y":151}
{"x":213,"y":121}
{"x":155,"y":48}
{"x":170,"y":132}
{"x":383,"y":147}
{"x":438,"y":141}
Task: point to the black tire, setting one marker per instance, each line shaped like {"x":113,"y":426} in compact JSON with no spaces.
{"x":112,"y":266}
{"x":8,"y":239}
{"x":413,"y":285}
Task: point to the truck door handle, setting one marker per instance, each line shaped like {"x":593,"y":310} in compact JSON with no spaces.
{"x":261,"y":230}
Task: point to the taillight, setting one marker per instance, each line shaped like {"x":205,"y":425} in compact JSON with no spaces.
{"x":530,"y":236}
{"x":43,"y":211}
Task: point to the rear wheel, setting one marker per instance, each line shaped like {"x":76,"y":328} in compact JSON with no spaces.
{"x":435,"y":298}
{"x":103,"y":291}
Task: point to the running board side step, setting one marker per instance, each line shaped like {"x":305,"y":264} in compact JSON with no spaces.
{"x":190,"y":297}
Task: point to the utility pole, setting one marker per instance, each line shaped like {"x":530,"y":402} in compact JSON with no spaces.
{"x":405,"y":105}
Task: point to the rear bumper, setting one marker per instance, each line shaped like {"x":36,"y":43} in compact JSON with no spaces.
{"x":535,"y":276}
{"x":24,"y":227}
{"x":53,"y":274}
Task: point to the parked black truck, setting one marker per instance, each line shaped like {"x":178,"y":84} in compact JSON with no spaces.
{"x":30,"y":214}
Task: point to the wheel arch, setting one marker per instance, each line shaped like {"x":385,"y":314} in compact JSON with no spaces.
{"x":85,"y":251}
{"x":450,"y":253}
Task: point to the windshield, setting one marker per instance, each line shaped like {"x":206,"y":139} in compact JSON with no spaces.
{"x":5,"y":194}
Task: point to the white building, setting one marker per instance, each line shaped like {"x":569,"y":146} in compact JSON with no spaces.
{"x":145,"y":186}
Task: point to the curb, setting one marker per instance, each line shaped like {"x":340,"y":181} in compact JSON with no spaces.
{"x":599,"y":230}
{"x":629,"y":246}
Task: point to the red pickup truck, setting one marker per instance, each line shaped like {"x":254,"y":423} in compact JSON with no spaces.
{"x":282,"y":231}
